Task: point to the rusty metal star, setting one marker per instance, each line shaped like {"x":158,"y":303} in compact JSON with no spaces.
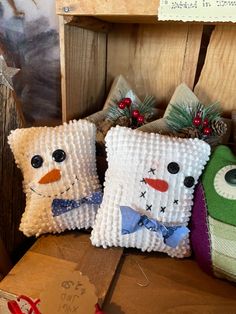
{"x":6,"y":73}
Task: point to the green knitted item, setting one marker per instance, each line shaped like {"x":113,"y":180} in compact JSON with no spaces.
{"x":220,"y":196}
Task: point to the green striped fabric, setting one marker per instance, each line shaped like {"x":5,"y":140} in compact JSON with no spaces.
{"x":223,"y":241}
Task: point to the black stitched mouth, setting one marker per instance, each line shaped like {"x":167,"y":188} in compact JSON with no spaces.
{"x":56,"y":195}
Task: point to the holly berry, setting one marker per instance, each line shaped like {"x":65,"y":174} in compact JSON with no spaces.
{"x":205,"y":122}
{"x":140,"y":119}
{"x":197,"y":121}
{"x":135,"y":113}
{"x":207,"y":131}
{"x":127,"y":101}
{"x":122,"y":105}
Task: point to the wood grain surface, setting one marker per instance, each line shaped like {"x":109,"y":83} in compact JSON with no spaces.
{"x":143,"y":283}
{"x":110,"y":7}
{"x":218,"y":80}
{"x":83,"y":65}
{"x":154,"y":59}
{"x":11,"y":194}
{"x":52,"y":253}
{"x":5,"y":261}
{"x":176,"y":286}
{"x":87,"y":23}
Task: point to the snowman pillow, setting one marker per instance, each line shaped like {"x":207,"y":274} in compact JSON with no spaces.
{"x":148,"y":191}
{"x":60,"y":178}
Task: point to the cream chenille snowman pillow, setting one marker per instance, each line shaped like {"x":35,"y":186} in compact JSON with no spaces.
{"x":148,"y":191}
{"x":60,"y":178}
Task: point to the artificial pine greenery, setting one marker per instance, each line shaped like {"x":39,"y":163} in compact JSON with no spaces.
{"x":144,"y":108}
{"x":182,"y":120}
{"x":181,"y":115}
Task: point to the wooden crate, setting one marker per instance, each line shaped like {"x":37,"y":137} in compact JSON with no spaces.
{"x":100,"y":40}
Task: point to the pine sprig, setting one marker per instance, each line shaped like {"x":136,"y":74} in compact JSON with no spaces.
{"x":180,"y":117}
{"x":212,"y":112}
{"x":144,"y":109}
{"x":114,"y":113}
{"x":147,"y":105}
{"x":196,"y":120}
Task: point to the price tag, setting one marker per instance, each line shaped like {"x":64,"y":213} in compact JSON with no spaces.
{"x":198,"y":10}
{"x":71,"y":292}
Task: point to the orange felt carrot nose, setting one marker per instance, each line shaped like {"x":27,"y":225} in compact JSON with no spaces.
{"x":51,"y":176}
{"x":159,"y":185}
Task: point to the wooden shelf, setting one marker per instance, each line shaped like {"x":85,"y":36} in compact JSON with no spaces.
{"x":176,"y":286}
{"x":111,"y":8}
{"x":123,"y":11}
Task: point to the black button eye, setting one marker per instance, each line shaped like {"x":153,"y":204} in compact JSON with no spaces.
{"x":59,"y":155}
{"x":36,"y":161}
{"x":230,"y":177}
{"x":173,"y":167}
{"x":189,"y":182}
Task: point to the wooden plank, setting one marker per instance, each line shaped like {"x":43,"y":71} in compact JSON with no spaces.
{"x":111,"y":7}
{"x":175,"y":286}
{"x":11,"y":194}
{"x":191,"y":55}
{"x":50,"y":254}
{"x":154,"y":58}
{"x":33,"y":273}
{"x":218,"y":80}
{"x":88,"y":23}
{"x":5,"y":262}
{"x":83,"y":67}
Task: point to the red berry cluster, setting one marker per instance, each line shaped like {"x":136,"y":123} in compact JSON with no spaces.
{"x":126,"y":102}
{"x":198,"y":122}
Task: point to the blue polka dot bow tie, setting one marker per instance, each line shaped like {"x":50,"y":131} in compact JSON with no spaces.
{"x":133,"y":221}
{"x":62,"y":206}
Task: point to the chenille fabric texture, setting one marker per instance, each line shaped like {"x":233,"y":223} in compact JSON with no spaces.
{"x":59,"y":167}
{"x":154,"y":176}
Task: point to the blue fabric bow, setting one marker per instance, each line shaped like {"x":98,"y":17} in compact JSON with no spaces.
{"x":62,"y":206}
{"x":132,"y":221}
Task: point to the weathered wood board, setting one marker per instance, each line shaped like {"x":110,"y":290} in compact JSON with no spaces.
{"x":83,"y":65}
{"x":173,"y":286}
{"x":52,"y":253}
{"x":112,"y":7}
{"x":218,"y":80}
{"x":152,"y":62}
{"x":5,"y":262}
{"x":11,"y":194}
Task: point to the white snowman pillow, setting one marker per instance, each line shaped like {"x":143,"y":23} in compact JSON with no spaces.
{"x":60,"y":177}
{"x":148,"y":191}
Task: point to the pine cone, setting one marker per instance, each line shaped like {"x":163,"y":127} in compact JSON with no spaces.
{"x":219,"y":127}
{"x":189,"y":133}
{"x":123,"y":121}
{"x":104,"y":126}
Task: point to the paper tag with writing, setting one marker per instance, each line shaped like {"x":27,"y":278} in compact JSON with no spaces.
{"x":71,"y":292}
{"x":198,"y":10}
